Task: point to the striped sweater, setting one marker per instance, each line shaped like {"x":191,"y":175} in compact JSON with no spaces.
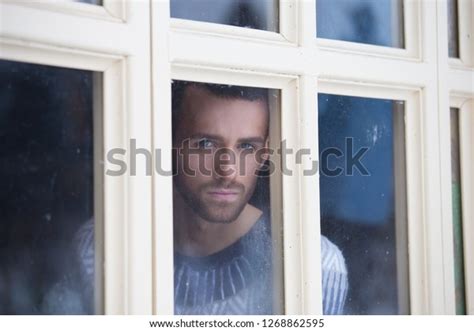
{"x":234,"y":281}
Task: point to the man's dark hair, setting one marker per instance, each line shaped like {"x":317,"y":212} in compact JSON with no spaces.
{"x":222,"y":91}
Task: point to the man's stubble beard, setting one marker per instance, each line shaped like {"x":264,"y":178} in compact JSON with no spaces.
{"x":215,"y":212}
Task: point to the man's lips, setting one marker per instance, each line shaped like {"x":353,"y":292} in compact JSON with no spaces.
{"x":224,"y":195}
{"x":224,"y":192}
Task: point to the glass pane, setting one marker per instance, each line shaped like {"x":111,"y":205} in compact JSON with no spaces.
{"x":457,"y":215}
{"x":47,"y":197}
{"x":262,"y":15}
{"x":92,"y":2}
{"x":376,"y":22}
{"x":224,"y":260}
{"x":453,"y":29}
{"x":363,"y":199}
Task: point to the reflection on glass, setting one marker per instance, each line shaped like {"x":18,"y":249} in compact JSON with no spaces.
{"x":363,"y":21}
{"x":453,"y":29}
{"x":363,"y":198}
{"x":47,"y":200}
{"x":262,"y":15}
{"x":222,"y":229}
{"x":457,"y":215}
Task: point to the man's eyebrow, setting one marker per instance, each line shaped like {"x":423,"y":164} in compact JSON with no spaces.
{"x":206,"y":135}
{"x":252,"y":139}
{"x":220,"y":138}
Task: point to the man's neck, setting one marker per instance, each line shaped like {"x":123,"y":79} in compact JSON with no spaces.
{"x":194,"y":236}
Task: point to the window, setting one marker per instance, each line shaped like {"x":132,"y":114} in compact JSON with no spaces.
{"x":262,"y":15}
{"x":457,"y":214}
{"x":226,"y":244}
{"x":48,"y":197}
{"x":366,"y":21}
{"x":363,"y":198}
{"x":111,"y":50}
{"x":461,"y":132}
{"x":453,"y":29}
{"x":337,"y":68}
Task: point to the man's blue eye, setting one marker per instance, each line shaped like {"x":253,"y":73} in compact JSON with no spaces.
{"x":247,"y":146}
{"x":205,"y":143}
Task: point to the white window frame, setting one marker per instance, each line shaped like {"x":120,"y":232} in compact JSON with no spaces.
{"x":110,"y":10}
{"x":283,"y":124}
{"x":413,"y":68}
{"x":456,"y":89}
{"x":411,"y":19}
{"x":81,"y":36}
{"x":413,"y":198}
{"x":138,"y":48}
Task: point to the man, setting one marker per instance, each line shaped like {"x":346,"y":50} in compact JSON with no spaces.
{"x":222,"y":243}
{"x":223,"y":248}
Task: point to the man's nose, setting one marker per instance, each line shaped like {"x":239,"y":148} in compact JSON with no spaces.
{"x":225,"y":164}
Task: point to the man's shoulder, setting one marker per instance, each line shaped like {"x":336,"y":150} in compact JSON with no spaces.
{"x":83,"y":242}
{"x":260,"y":232}
{"x":331,"y":256}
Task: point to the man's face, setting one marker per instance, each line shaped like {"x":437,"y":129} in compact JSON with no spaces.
{"x":218,"y":139}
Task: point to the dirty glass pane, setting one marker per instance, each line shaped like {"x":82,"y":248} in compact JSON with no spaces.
{"x":225,"y":252}
{"x":46,"y":196}
{"x":261,"y":15}
{"x":376,"y":22}
{"x":363,"y":199}
{"x":453,"y":29}
{"x":457,"y":215}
